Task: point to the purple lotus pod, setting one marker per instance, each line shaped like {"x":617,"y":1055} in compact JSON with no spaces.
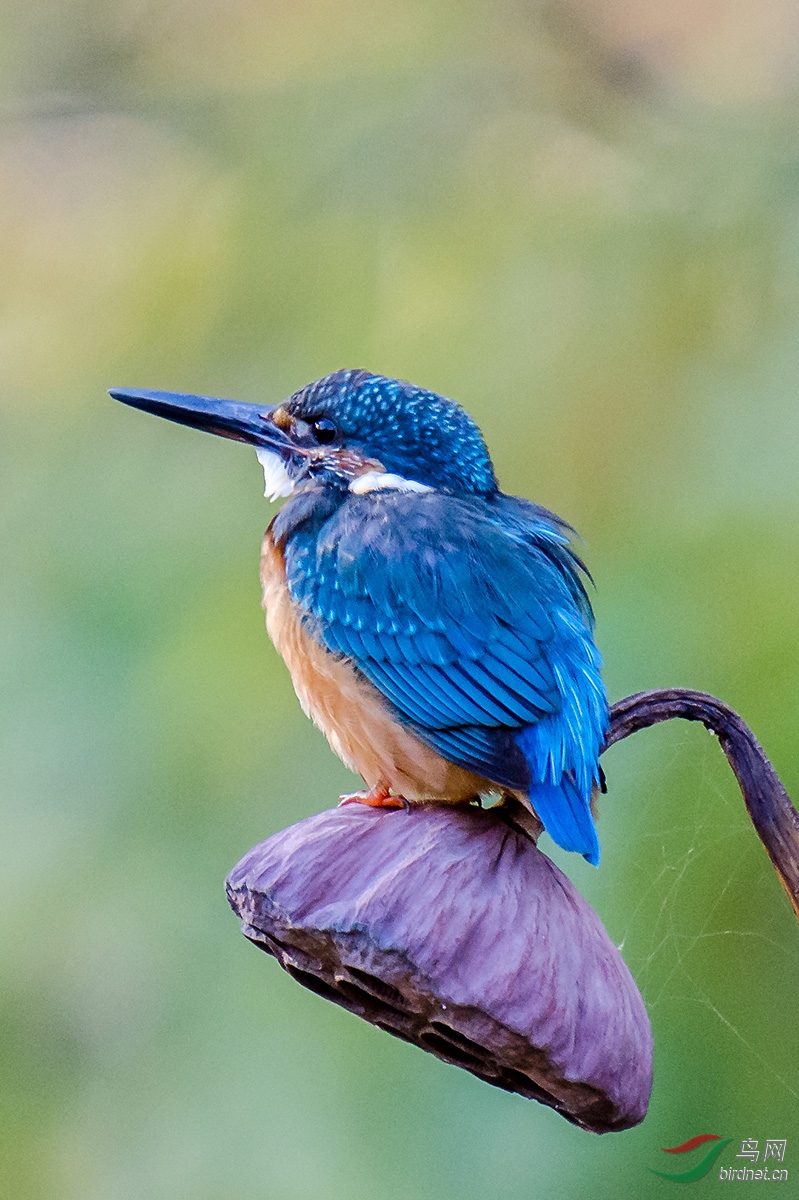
{"x":450,"y":929}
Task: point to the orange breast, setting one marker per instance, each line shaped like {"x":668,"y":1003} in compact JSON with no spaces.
{"x":351,"y":712}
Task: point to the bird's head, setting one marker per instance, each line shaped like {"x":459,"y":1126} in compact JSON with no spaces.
{"x":350,"y":430}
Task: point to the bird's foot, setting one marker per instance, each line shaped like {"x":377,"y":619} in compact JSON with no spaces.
{"x":377,"y":797}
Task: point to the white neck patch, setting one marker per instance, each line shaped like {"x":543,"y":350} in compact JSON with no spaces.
{"x":384,"y":481}
{"x":277,"y":481}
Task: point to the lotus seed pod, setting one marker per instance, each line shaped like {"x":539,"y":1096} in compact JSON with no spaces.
{"x":449,"y":928}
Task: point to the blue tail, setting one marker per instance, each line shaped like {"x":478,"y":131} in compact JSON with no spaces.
{"x":566,"y":816}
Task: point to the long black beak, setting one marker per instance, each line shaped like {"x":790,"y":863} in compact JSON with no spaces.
{"x":250,"y":423}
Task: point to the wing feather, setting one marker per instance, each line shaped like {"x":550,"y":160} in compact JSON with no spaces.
{"x":449,"y":606}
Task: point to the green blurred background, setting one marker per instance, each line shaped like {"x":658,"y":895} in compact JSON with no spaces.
{"x":579,"y":218}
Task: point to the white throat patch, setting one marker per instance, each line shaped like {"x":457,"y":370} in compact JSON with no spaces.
{"x":277,"y":481}
{"x":378,"y":481}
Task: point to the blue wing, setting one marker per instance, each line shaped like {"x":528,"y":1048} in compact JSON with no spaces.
{"x":470,"y":617}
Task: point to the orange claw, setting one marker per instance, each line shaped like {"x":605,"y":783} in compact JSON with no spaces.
{"x":377,"y":797}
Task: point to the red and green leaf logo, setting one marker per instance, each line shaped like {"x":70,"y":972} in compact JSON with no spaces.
{"x":698,"y":1170}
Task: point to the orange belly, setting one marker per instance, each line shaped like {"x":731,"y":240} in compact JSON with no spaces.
{"x":351,"y":713}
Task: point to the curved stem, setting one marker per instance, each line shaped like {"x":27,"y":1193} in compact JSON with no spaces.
{"x":768,"y":804}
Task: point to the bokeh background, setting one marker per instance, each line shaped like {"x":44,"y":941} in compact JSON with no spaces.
{"x":581,"y":219}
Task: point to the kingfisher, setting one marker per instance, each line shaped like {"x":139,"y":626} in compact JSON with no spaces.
{"x":437,"y":630}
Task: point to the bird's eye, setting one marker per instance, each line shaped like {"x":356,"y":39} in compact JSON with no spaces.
{"x":324,"y":430}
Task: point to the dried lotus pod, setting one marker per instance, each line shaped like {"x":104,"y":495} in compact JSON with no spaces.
{"x":447,"y":927}
{"x":450,"y":929}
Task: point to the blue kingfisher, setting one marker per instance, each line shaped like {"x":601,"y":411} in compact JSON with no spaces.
{"x":437,"y":630}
